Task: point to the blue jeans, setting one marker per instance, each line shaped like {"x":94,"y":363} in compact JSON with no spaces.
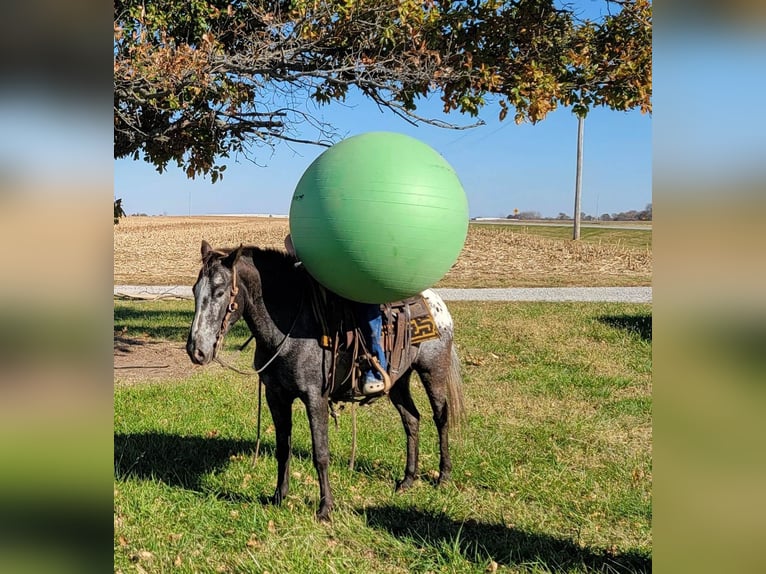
{"x":372,"y":325}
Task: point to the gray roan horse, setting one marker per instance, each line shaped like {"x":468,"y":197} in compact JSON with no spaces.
{"x":271,"y":294}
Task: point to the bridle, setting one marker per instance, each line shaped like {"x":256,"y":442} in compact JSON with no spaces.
{"x":230,"y":308}
{"x":233,"y":306}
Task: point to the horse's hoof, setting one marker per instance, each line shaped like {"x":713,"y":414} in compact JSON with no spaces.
{"x":276,"y":500}
{"x":443,"y":479}
{"x":404,"y":484}
{"x":323,"y":515}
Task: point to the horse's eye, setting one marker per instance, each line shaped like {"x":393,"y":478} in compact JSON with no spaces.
{"x":218,"y":293}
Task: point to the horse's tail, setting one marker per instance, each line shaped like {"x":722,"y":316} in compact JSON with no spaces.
{"x":455,"y":404}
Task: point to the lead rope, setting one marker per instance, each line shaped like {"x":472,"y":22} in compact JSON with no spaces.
{"x":352,"y":456}
{"x":229,"y":310}
{"x":258,"y":433}
{"x":260,"y":382}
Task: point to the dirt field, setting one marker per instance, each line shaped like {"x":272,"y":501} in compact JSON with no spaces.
{"x":165,"y":251}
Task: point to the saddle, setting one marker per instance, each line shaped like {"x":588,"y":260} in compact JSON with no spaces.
{"x":406,"y":323}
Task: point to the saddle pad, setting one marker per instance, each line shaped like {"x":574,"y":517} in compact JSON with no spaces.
{"x":422,"y":325}
{"x":423,"y":329}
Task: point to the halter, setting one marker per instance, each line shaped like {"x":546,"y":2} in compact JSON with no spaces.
{"x":232,"y":306}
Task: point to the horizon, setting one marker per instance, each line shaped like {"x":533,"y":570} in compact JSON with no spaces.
{"x":471,"y":218}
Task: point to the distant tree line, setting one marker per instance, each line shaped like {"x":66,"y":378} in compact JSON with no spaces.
{"x":631,"y":215}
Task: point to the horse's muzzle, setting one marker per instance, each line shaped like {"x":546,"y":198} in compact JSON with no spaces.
{"x":197,"y":355}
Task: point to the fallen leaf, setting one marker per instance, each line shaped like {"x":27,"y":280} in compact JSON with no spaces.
{"x":492,"y":567}
{"x":253,"y":542}
{"x":271,"y":527}
{"x":123,"y":541}
{"x":141,"y":555}
{"x":177,"y":562}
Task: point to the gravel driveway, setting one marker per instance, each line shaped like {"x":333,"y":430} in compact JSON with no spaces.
{"x":592,"y":294}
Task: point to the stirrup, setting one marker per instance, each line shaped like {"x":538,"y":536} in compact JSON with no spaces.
{"x":375,"y":386}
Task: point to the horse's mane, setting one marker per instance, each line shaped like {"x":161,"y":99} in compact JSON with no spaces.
{"x":266,"y":260}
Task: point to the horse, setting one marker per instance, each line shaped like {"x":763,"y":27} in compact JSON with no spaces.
{"x":270,"y":290}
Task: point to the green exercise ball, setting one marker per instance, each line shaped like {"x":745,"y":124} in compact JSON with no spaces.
{"x":378,"y":217}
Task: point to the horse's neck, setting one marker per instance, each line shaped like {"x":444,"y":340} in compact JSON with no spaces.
{"x":270,"y":314}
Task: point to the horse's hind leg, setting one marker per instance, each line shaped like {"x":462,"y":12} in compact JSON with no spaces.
{"x":402,"y":399}
{"x":281,"y":409}
{"x":435,"y":383}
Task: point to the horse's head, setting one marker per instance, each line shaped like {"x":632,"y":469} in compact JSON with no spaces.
{"x":215,"y":306}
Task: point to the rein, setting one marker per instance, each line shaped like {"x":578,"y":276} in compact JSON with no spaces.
{"x":233,"y":306}
{"x":284,"y":340}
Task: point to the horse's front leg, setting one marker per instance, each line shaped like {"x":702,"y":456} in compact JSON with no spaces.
{"x":317,"y":409}
{"x":402,"y":399}
{"x":280,"y":405}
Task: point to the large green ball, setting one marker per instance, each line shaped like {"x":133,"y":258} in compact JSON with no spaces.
{"x":379,"y":217}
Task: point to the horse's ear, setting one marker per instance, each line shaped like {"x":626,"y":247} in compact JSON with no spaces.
{"x":205,"y":249}
{"x":233,"y":257}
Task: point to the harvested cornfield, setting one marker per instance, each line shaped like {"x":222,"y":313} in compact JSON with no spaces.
{"x":507,"y":258}
{"x":165,"y":251}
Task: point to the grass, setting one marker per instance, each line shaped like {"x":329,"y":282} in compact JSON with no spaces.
{"x":552,"y":472}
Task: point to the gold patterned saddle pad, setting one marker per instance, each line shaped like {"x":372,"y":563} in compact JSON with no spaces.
{"x":415,"y":313}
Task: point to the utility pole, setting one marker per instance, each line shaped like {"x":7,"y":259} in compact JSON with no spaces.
{"x":578,"y":179}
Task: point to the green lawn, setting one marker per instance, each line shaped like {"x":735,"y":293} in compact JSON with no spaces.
{"x":552,"y":471}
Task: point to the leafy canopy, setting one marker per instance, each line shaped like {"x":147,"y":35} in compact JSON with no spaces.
{"x":196,"y":81}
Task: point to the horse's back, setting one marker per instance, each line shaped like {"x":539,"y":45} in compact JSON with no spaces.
{"x":440,"y":313}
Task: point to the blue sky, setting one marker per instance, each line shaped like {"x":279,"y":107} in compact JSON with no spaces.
{"x":502,"y":166}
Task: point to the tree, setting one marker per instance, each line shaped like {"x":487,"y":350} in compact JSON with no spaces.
{"x":614,"y":56}
{"x":196,"y":81}
{"x":118,"y":211}
{"x":646,"y":214}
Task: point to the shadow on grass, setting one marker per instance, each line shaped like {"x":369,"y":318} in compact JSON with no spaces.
{"x":172,"y":325}
{"x":639,"y":324}
{"x":154,"y":322}
{"x":176,"y":460}
{"x":183,"y":461}
{"x":480,"y":542}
